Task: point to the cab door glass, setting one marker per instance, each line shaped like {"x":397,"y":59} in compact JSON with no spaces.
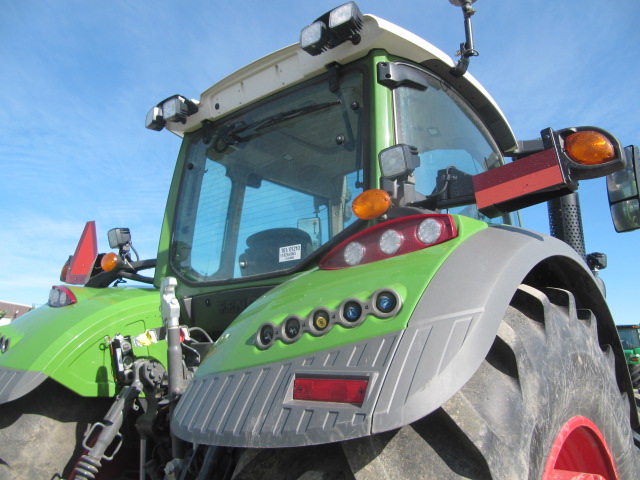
{"x":446,"y":132}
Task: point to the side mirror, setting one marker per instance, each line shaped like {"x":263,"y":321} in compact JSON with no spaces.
{"x":622,"y":189}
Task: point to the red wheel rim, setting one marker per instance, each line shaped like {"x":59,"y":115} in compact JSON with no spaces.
{"x":580,"y":452}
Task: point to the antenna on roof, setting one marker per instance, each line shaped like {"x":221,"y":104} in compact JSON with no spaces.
{"x":466,"y":48}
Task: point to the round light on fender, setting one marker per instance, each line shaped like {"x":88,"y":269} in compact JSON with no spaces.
{"x":589,"y":148}
{"x":321,"y":320}
{"x":354,"y":253}
{"x":109,"y":261}
{"x":386,"y":302}
{"x":352,"y":311}
{"x":267,"y":334}
{"x":390,"y":242}
{"x":292,"y":328}
{"x":429,"y":231}
{"x":371,"y":204}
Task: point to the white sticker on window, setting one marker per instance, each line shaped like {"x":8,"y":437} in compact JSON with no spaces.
{"x":292,"y":252}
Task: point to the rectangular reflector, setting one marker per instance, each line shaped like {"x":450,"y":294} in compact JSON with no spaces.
{"x":522,"y":183}
{"x":336,"y":390}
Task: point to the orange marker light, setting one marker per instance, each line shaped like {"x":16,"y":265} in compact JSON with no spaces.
{"x":589,"y":148}
{"x":371,"y":204}
{"x":109,"y":261}
{"x":65,"y":270}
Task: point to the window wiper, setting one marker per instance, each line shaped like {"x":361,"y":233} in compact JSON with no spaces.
{"x":235,"y":133}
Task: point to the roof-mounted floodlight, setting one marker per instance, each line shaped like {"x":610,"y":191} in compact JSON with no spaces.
{"x":314,"y":39}
{"x":154,"y":120}
{"x":345,"y":22}
{"x":332,"y":29}
{"x":174,"y":109}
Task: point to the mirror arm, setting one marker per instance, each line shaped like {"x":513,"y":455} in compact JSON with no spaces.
{"x":467,"y":49}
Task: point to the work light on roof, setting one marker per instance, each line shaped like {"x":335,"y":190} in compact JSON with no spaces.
{"x":174,"y":109}
{"x":333,"y":28}
{"x":155,"y":121}
{"x":346,"y":21}
{"x":314,"y":39}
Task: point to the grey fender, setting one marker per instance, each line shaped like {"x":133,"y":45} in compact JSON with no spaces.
{"x":457,"y":318}
{"x":16,"y":383}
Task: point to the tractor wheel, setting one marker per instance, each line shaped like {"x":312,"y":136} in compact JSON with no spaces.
{"x":41,"y":433}
{"x":544,"y":404}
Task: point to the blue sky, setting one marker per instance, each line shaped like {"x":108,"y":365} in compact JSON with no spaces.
{"x":78,"y":78}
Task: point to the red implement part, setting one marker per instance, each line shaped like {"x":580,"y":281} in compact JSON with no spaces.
{"x":85,"y":256}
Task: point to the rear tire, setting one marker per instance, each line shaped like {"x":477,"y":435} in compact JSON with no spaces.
{"x":545,"y":370}
{"x":317,"y":462}
{"x":41,"y":433}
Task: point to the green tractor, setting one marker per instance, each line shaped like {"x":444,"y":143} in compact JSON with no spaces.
{"x":345,"y":290}
{"x":630,"y":339}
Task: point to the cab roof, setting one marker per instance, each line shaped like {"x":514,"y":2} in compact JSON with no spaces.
{"x":292,"y":65}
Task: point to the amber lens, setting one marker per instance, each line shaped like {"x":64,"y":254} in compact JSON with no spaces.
{"x":589,"y":148}
{"x":65,"y":270}
{"x":109,"y":261}
{"x":371,"y":204}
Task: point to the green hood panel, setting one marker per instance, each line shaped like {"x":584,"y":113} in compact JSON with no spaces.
{"x":69,"y":344}
{"x":408,"y":275}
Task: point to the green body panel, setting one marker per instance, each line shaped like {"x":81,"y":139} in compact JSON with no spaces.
{"x":407,"y":274}
{"x":70,"y":344}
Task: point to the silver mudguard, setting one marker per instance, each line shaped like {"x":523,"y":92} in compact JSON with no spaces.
{"x":457,"y":318}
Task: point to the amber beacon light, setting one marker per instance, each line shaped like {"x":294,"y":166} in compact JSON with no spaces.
{"x":371,"y":204}
{"x":109,"y":262}
{"x":589,"y":148}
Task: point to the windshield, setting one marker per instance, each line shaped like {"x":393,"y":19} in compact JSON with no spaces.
{"x":448,"y":135}
{"x":630,"y":337}
{"x":265,"y":188}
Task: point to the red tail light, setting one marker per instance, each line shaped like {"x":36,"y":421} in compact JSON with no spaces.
{"x":389,"y":239}
{"x":60,"y":296}
{"x":337,"y":390}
